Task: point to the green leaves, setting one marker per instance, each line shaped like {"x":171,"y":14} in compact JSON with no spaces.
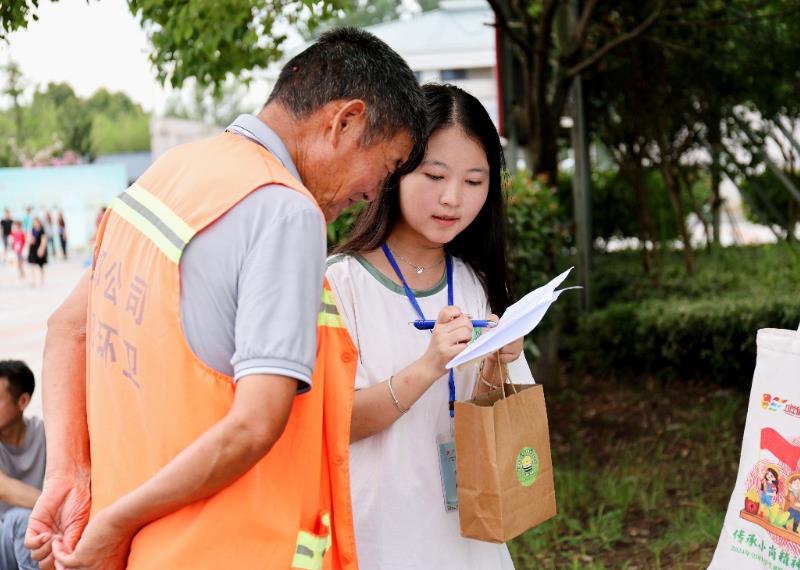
{"x":56,"y":120}
{"x":212,"y":40}
{"x":14,"y":14}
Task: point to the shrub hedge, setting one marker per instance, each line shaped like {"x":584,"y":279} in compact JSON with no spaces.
{"x":700,"y":327}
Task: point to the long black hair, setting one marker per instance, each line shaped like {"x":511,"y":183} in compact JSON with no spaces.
{"x":482,"y":244}
{"x":774,"y":474}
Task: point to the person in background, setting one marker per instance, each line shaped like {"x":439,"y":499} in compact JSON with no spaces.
{"x":6,"y":224}
{"x":37,"y":250}
{"x":61,"y":228}
{"x":22,"y":463}
{"x":47,"y":223}
{"x":18,"y":238}
{"x":27,"y":220}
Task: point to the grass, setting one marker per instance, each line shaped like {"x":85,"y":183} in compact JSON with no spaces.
{"x":644,"y":457}
{"x":643,"y":475}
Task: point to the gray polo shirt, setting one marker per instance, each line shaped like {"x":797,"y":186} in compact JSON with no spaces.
{"x":251,"y":282}
{"x":25,"y":463}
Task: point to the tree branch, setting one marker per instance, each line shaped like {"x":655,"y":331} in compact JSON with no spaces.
{"x":583,"y":24}
{"x":548,"y":14}
{"x":670,"y":46}
{"x":624,"y":38}
{"x":501,"y":21}
{"x":541,"y":53}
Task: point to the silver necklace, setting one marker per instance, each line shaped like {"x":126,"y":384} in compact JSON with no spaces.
{"x":417,"y":268}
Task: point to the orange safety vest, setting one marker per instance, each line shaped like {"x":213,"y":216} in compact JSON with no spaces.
{"x":149,"y":396}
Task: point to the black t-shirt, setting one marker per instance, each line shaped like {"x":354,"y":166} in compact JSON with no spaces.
{"x":6,"y":226}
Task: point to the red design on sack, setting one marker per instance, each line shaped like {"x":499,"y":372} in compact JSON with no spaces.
{"x":776,"y":444}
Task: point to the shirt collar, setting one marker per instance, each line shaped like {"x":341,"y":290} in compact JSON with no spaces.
{"x":257,"y":130}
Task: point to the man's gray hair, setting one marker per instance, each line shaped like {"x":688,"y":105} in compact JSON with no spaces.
{"x":348,"y":63}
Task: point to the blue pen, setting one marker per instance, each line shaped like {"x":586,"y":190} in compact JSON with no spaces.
{"x":428,"y":325}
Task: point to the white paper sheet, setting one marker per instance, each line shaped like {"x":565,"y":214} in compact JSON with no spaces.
{"x":518,"y":320}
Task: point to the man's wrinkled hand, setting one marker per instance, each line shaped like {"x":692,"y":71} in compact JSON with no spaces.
{"x":61,"y":511}
{"x":104,"y":545}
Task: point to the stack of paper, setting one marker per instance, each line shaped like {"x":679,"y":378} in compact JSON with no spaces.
{"x":518,"y":320}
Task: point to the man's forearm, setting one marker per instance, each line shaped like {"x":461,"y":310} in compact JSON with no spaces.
{"x":215,"y":460}
{"x":18,"y":494}
{"x":64,"y":385}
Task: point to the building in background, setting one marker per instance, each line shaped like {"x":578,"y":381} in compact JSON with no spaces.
{"x":166,"y":132}
{"x":453,"y":44}
{"x":135,"y":163}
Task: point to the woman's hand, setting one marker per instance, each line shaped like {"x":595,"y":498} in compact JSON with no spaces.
{"x":510,"y":352}
{"x":452,"y":333}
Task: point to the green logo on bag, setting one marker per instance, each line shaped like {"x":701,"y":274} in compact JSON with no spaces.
{"x":527,"y":466}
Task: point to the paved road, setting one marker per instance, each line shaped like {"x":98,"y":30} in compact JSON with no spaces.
{"x":24,"y":311}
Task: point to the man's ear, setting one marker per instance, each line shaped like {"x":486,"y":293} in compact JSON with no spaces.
{"x":348,"y":122}
{"x":23,"y":401}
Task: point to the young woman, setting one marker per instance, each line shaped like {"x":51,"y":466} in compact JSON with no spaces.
{"x":62,"y":233}
{"x":18,"y":239}
{"x":433,"y":247}
{"x":37,"y":250}
{"x":47,"y":223}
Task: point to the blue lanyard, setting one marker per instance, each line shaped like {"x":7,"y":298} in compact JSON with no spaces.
{"x":413,"y":300}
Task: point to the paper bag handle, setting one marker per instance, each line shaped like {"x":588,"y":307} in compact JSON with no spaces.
{"x":501,"y":372}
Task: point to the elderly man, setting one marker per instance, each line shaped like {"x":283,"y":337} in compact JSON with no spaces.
{"x":195,"y":420}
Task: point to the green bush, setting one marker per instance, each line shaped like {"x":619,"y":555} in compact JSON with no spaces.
{"x":339,"y":228}
{"x":702,"y":327}
{"x":537,"y":233}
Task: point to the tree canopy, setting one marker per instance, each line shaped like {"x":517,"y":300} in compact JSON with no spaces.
{"x":56,"y":122}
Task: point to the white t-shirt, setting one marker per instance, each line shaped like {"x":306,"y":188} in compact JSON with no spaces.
{"x":398,"y":504}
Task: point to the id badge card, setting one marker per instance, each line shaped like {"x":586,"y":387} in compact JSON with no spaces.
{"x":446,"y":446}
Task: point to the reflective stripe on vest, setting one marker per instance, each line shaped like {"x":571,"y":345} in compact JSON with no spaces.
{"x":155,"y":220}
{"x":311,"y":548}
{"x":329,"y":312}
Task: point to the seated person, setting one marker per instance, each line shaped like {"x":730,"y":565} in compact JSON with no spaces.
{"x":22,"y":463}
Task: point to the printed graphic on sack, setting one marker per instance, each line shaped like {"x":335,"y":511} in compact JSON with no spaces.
{"x":527,"y":466}
{"x":772,"y":500}
{"x":773,"y":403}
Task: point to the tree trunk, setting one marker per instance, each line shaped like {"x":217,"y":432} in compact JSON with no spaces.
{"x":647,"y":231}
{"x":543,"y":148}
{"x":671,"y":181}
{"x":715,"y":144}
{"x":695,"y":205}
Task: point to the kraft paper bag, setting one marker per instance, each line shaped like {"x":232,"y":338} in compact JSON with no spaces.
{"x":762,"y":525}
{"x":504,"y":469}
